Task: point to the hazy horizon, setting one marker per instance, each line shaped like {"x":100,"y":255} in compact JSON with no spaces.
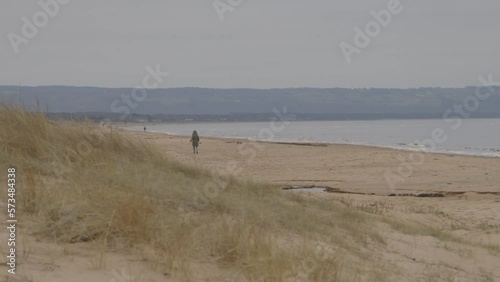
{"x":250,"y":88}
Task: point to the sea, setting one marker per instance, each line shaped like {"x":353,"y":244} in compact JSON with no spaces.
{"x":479,"y":137}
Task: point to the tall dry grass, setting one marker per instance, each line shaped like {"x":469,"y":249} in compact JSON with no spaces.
{"x":85,"y":182}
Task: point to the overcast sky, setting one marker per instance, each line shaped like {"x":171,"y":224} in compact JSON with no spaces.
{"x":259,"y":44}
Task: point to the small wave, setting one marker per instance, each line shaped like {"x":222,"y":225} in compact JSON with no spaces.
{"x":495,"y":153}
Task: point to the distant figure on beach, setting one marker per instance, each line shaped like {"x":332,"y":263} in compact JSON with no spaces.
{"x":144,"y":129}
{"x":195,"y":140}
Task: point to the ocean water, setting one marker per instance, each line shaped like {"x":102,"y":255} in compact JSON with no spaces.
{"x":468,"y":136}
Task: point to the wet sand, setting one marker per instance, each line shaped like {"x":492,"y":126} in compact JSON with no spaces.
{"x":350,"y":168}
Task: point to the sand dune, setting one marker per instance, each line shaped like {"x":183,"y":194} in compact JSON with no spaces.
{"x":450,"y":238}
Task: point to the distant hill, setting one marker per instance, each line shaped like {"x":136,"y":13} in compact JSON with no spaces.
{"x":327,"y":103}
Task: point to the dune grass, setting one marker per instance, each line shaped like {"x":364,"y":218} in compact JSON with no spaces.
{"x":86,"y":182}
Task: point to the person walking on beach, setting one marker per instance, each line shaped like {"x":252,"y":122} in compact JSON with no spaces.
{"x":195,"y":140}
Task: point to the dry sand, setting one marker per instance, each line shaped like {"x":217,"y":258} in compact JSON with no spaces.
{"x":470,"y":209}
{"x":350,"y":168}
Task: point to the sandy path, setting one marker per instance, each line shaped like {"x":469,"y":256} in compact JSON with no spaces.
{"x":350,"y":168}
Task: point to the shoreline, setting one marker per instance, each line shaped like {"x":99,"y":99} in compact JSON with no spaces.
{"x":351,"y":168}
{"x":322,"y":143}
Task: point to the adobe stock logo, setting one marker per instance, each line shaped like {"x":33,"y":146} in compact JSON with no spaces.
{"x":40,"y":19}
{"x":222,"y":7}
{"x":363,"y":38}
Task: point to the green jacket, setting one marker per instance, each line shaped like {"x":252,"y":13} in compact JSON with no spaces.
{"x":195,"y":140}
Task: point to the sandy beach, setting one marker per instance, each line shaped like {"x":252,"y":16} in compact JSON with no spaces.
{"x":449,"y":238}
{"x":470,"y":208}
{"x":350,"y":168}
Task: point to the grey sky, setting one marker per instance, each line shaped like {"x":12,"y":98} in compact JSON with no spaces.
{"x":260,"y":44}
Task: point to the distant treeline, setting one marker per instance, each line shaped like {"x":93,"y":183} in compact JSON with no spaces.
{"x":206,"y":104}
{"x":145,"y":118}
